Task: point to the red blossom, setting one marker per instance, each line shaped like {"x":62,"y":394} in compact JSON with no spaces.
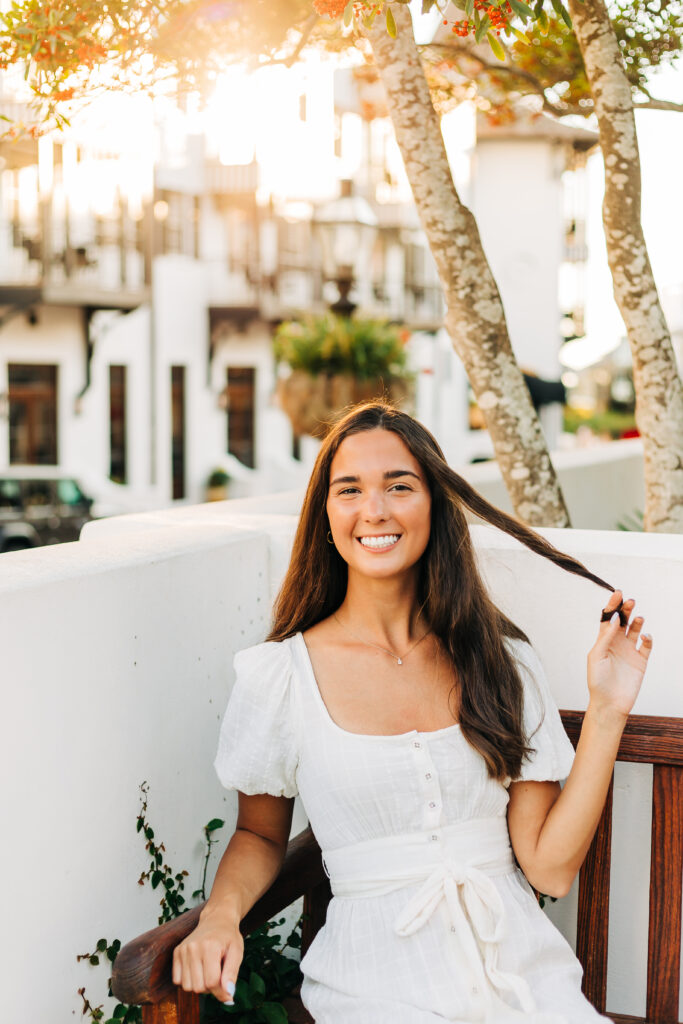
{"x":331,"y":8}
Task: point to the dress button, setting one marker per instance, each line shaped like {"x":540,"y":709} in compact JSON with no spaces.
{"x":452,"y":927}
{"x":475,"y":990}
{"x":435,"y":839}
{"x":432,"y":804}
{"x":428,"y":775}
{"x":417,"y":745}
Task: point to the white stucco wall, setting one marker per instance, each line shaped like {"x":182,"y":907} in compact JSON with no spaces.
{"x":602,"y":484}
{"x":522,"y":237}
{"x":119,"y":341}
{"x":117,"y":665}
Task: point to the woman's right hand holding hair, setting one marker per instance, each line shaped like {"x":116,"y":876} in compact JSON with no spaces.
{"x":551,"y":830}
{"x":209,"y":958}
{"x":618,"y":659}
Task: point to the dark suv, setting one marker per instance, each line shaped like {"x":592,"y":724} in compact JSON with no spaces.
{"x":40,"y":506}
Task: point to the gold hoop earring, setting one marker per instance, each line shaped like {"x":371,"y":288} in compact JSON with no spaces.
{"x":329,"y":537}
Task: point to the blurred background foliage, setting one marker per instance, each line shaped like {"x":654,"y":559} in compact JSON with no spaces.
{"x":65,"y":51}
{"x":329,"y":344}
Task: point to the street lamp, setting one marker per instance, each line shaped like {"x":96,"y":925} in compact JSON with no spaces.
{"x":346,"y":227}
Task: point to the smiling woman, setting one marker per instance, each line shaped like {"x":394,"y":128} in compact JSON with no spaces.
{"x":415,"y":721}
{"x":378,"y":505}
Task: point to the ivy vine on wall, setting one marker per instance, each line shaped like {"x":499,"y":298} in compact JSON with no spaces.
{"x":267,"y":975}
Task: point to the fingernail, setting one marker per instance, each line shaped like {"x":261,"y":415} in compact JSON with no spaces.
{"x":229,"y":987}
{"x":615,"y":618}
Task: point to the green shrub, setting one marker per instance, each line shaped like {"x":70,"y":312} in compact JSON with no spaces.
{"x":218,"y":478}
{"x":330,"y":344}
{"x":609,"y":422}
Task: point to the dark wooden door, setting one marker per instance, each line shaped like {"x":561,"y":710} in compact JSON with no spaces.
{"x":33,"y":414}
{"x":178,"y":431}
{"x":118,"y":425}
{"x":241,"y":414}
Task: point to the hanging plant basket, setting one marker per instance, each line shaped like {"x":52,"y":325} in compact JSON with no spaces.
{"x":335,"y":363}
{"x":314,"y":403}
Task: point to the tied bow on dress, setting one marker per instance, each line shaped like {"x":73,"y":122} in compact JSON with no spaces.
{"x":455,"y":866}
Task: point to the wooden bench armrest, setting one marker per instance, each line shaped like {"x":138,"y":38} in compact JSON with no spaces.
{"x":142,"y":970}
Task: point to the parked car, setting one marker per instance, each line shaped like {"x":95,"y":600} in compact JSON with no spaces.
{"x":39,"y":505}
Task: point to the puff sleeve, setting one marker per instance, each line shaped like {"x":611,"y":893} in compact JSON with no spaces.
{"x":552,"y":753}
{"x":257,"y":747}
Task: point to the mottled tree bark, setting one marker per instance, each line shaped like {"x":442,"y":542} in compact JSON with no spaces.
{"x":475,"y":319}
{"x":659,"y":392}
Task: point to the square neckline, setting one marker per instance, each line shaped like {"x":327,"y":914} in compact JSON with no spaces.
{"x":318,"y":697}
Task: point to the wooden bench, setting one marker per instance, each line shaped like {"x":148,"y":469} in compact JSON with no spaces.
{"x":142,"y":971}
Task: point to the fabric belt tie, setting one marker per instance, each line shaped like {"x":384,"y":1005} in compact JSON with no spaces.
{"x":455,"y":865}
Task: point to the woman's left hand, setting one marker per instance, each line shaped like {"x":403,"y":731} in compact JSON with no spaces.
{"x":616,"y":666}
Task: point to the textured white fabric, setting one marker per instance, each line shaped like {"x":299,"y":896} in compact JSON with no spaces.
{"x":453,"y":942}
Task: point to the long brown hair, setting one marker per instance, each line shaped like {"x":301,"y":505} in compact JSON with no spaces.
{"x":451,"y":593}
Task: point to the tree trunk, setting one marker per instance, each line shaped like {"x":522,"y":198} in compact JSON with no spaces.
{"x":659,"y":392}
{"x":475,"y":319}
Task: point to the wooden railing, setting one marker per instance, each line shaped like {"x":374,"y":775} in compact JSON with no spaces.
{"x":659,"y":742}
{"x":142,"y":972}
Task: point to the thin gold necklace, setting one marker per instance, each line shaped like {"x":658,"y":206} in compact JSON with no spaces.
{"x":386,"y":650}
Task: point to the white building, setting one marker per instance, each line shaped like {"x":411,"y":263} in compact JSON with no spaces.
{"x":141,"y":276}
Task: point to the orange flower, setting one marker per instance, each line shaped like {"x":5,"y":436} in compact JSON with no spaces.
{"x":332,"y":8}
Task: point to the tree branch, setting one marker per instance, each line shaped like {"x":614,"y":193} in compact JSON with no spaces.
{"x":514,"y":72}
{"x":659,"y":105}
{"x":306,"y":32}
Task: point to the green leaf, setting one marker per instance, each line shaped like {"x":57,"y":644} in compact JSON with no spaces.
{"x":391,"y":23}
{"x":519,"y":35}
{"x":427,"y":6}
{"x":348,"y":14}
{"x":243,"y":995}
{"x":562,"y":12}
{"x":274,"y":1013}
{"x":521,"y":9}
{"x":120,"y":1011}
{"x":484,"y":26}
{"x":469,"y":7}
{"x":215,"y":823}
{"x":101,"y":945}
{"x":543,"y":21}
{"x":94,"y":960}
{"x":494,"y":43}
{"x":257,"y":984}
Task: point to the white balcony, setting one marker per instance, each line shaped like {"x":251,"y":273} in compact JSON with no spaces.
{"x":117,"y":657}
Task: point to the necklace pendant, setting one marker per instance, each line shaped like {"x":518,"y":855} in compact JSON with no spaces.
{"x":400,"y":661}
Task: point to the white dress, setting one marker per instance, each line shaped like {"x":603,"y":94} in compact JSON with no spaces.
{"x":430,"y":921}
